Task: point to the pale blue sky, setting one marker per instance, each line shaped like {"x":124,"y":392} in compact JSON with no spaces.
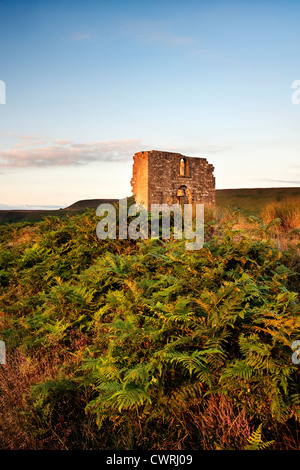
{"x":89,"y":83}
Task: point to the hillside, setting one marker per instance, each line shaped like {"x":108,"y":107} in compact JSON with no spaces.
{"x":253,"y":200}
{"x":14,"y":216}
{"x":89,"y":204}
{"x":249,"y":200}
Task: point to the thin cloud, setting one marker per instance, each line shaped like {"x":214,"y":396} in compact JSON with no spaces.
{"x":155,"y":32}
{"x":27,"y":137}
{"x":202,"y":148}
{"x":33,"y":143}
{"x":27,"y":207}
{"x":62,"y":153}
{"x":213,"y":148}
{"x":83,"y":36}
{"x":283,"y":181}
{"x":22,"y":137}
{"x":25,"y":140}
{"x":62,"y":142}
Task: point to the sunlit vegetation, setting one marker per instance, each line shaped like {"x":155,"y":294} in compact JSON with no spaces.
{"x":141,"y":344}
{"x":287,"y":211}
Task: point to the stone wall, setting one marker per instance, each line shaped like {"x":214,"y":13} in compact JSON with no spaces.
{"x":165,"y":177}
{"x":139,"y":180}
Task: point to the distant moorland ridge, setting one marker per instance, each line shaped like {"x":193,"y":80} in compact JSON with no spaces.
{"x":249,"y":200}
{"x":253,"y":200}
{"x":89,"y":204}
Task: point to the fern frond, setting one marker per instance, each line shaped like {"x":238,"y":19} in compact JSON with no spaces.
{"x":138,"y":374}
{"x":185,"y":393}
{"x":255,"y":440}
{"x":194,"y":362}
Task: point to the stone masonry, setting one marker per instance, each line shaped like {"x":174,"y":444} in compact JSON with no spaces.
{"x":165,"y":177}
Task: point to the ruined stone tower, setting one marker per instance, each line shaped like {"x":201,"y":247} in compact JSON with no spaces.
{"x":165,"y":177}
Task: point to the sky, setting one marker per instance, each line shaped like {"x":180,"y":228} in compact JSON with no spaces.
{"x":86,"y":84}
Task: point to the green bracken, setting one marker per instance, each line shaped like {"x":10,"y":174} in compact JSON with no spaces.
{"x":143,"y":337}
